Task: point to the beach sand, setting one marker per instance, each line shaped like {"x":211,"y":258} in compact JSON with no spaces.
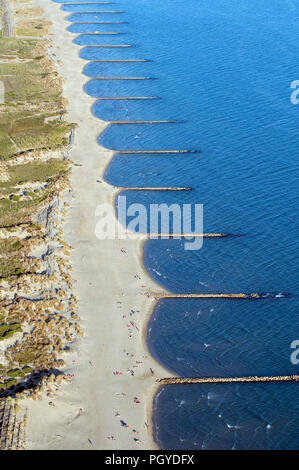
{"x":88,"y":411}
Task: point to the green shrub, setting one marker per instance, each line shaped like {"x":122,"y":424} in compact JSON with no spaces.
{"x":27,"y":370}
{"x":6,"y":331}
{"x":15,"y":373}
{"x":7,"y":385}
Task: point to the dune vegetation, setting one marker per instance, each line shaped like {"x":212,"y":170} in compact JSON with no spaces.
{"x":38,"y":320}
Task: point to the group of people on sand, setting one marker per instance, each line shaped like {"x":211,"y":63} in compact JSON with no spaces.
{"x":130,"y":325}
{"x":123,"y":424}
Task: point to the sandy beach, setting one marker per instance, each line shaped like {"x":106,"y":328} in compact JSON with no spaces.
{"x":108,"y":403}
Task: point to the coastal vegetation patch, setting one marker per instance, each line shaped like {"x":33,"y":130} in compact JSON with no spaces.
{"x":38,"y":319}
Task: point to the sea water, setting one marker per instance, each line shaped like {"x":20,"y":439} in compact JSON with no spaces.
{"x":223,"y":70}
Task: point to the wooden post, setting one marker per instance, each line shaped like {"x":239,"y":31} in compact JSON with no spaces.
{"x":118,"y":60}
{"x":111,"y":45}
{"x":7,"y":20}
{"x":122,"y":78}
{"x":154,"y":151}
{"x":134,"y":188}
{"x":127,"y":98}
{"x":204,"y":380}
{"x":95,"y":12}
{"x":144,"y":122}
{"x":211,"y":296}
{"x":97,"y":22}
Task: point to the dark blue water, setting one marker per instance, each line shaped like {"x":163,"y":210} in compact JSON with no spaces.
{"x":222,"y":69}
{"x":230,"y":416}
{"x":199,"y":337}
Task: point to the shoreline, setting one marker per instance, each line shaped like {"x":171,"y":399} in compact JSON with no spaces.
{"x":84,"y":413}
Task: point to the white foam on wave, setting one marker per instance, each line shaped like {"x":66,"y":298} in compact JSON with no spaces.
{"x":233,"y":426}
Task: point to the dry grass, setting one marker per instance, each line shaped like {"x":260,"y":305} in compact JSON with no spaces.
{"x":49,"y":170}
{"x":31,"y":120}
{"x":32,"y":94}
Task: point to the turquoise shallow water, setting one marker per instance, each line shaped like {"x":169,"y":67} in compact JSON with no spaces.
{"x":223,"y":69}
